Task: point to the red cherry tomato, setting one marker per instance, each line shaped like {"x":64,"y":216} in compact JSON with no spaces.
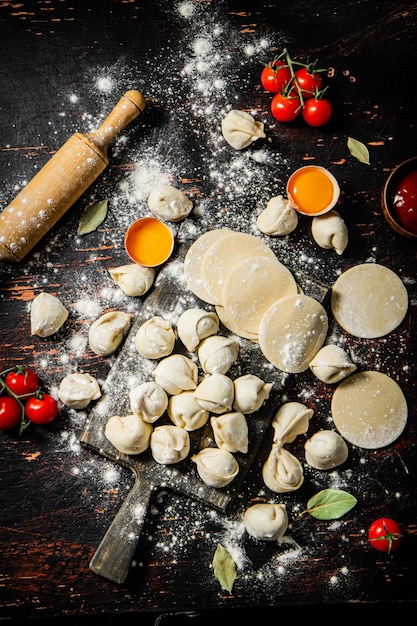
{"x":385,"y":535}
{"x":22,"y":382}
{"x":285,"y":108}
{"x":10,"y":413}
{"x":310,"y":82}
{"x":41,"y":408}
{"x":317,"y":111}
{"x":275,"y":76}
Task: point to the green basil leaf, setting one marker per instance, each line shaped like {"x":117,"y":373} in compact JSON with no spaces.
{"x":224,"y":568}
{"x":330,"y":504}
{"x":92,"y":217}
{"x":358,"y":150}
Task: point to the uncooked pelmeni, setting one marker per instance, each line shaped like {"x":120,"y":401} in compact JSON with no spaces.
{"x":217,"y":354}
{"x":169,"y":444}
{"x":240,"y":129}
{"x":169,"y":203}
{"x":149,"y":401}
{"x":250,"y":393}
{"x":330,"y":231}
{"x":133,"y":279}
{"x":77,"y":390}
{"x":176,"y":373}
{"x":215,"y":466}
{"x":282,"y":471}
{"x":215,"y":393}
{"x":230,"y":431}
{"x":291,"y":419}
{"x":108,"y":331}
{"x":194,"y":325}
{"x":155,"y":338}
{"x":128,"y":434}
{"x":266,"y":521}
{"x":185,"y":412}
{"x":326,"y":449}
{"x":47,"y":315}
{"x":278,"y":217}
{"x":331,"y":364}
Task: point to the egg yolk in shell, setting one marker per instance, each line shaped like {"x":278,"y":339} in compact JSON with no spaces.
{"x":311,"y":190}
{"x":149,"y":242}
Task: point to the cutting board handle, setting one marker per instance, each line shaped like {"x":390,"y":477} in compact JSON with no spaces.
{"x":114,"y":555}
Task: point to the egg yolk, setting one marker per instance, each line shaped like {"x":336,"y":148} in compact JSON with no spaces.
{"x":311,"y":190}
{"x":149,"y":242}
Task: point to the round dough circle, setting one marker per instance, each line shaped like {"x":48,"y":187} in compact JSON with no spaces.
{"x":369,"y":410}
{"x":231,"y":325}
{"x":194,"y":259}
{"x":369,"y":300}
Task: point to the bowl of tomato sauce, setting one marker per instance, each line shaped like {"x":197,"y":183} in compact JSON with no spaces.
{"x":399,"y":198}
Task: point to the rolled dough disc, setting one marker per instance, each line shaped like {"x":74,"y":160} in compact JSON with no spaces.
{"x":369,"y":410}
{"x":230,"y":324}
{"x":194,"y":259}
{"x":369,"y":300}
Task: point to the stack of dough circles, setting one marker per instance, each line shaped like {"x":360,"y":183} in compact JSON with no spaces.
{"x":369,"y":410}
{"x":369,"y":300}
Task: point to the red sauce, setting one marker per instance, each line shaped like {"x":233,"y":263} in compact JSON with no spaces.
{"x":405,"y":202}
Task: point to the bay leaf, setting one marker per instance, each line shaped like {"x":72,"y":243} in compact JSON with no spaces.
{"x":330,"y":504}
{"x":224,"y":568}
{"x":358,"y":150}
{"x":93,"y":217}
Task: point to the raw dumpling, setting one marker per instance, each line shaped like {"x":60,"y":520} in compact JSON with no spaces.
{"x":250,"y":393}
{"x":231,"y":432}
{"x":330,"y":231}
{"x":291,"y":419}
{"x":215,"y":393}
{"x":282,"y":471}
{"x":129,"y":434}
{"x":155,"y":338}
{"x":169,"y":444}
{"x":217,"y":354}
{"x":278,"y":217}
{"x":77,"y":390}
{"x":331,"y":364}
{"x":148,"y":401}
{"x":266,"y":521}
{"x":108,"y":331}
{"x":194,"y":325}
{"x":185,"y":412}
{"x":326,"y":449}
{"x":169,"y":203}
{"x":133,"y":279}
{"x":47,"y":315}
{"x":215,"y":466}
{"x":240,"y":129}
{"x":176,"y":373}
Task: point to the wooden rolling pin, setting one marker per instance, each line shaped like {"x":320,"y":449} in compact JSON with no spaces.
{"x":61,"y":181}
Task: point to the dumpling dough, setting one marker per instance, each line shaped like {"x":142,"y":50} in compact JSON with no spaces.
{"x":47,"y":315}
{"x":278,"y":217}
{"x":169,"y":203}
{"x":369,"y":300}
{"x":331,"y":364}
{"x":129,"y":434}
{"x":176,"y":373}
{"x":231,"y":432}
{"x":215,"y":393}
{"x":77,"y":390}
{"x":330,"y":231}
{"x":155,"y":338}
{"x":169,"y":444}
{"x":108,"y":331}
{"x":215,"y":466}
{"x":282,"y":471}
{"x":133,"y":279}
{"x":185,"y":412}
{"x":194,"y":325}
{"x":266,"y":521}
{"x":326,"y":449}
{"x":217,"y":354}
{"x":240,"y":129}
{"x":250,"y":393}
{"x":149,"y":401}
{"x":291,"y":419}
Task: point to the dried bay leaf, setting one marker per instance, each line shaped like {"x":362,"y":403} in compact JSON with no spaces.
{"x":330,"y":504}
{"x":358,"y":150}
{"x":224,"y":568}
{"x":92,"y":217}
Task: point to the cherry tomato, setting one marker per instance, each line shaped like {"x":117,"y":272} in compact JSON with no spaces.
{"x":285,"y":108}
{"x":41,"y":408}
{"x":317,"y":111}
{"x":10,"y":413}
{"x":22,"y":382}
{"x":385,"y":535}
{"x":310,"y":82}
{"x":275,"y":76}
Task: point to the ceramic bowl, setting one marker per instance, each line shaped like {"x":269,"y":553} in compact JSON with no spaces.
{"x":388,"y":194}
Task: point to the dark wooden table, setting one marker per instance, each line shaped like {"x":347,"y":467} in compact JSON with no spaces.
{"x":63,"y":66}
